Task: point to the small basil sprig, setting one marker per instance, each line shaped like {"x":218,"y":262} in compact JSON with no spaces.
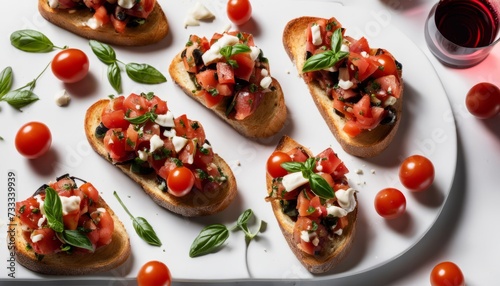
{"x":142,"y":118}
{"x":141,"y":73}
{"x":319,"y":186}
{"x":213,"y":236}
{"x":32,"y":41}
{"x":53,"y":212}
{"x":229,"y":51}
{"x":328,"y":58}
{"x":5,"y":81}
{"x":141,"y":226}
{"x":20,"y":97}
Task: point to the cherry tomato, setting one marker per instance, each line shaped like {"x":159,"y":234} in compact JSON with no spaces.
{"x":180,"y":181}
{"x":447,"y":274}
{"x":390,"y":203}
{"x":483,"y":100}
{"x":274,"y":164}
{"x":70,"y":65}
{"x":416,"y":173}
{"x":154,"y":273}
{"x":33,"y":139}
{"x":239,"y":11}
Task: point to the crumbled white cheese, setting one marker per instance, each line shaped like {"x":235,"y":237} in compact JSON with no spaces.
{"x":254,"y":53}
{"x":36,"y":238}
{"x":102,"y":210}
{"x":338,"y":232}
{"x":70,"y":204}
{"x":93,"y":23}
{"x":266,"y":82}
{"x":344,"y":48}
{"x":62,"y":98}
{"x":165,"y":120}
{"x":127,"y":4}
{"x":345,"y":84}
{"x":364,"y":54}
{"x":293,"y":180}
{"x":390,"y":100}
{"x":200,"y":12}
{"x":143,"y":155}
{"x":189,"y":20}
{"x":53,"y":3}
{"x":304,"y":235}
{"x":336,"y":211}
{"x":179,"y":143}
{"x":346,"y":199}
{"x":41,"y":221}
{"x":264,"y":72}
{"x":155,"y":142}
{"x":316,"y":35}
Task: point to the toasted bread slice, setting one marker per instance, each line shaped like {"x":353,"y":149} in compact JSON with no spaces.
{"x":267,"y":120}
{"x":153,"y":30}
{"x":103,"y":259}
{"x":368,"y":143}
{"x":195,"y":203}
{"x":337,"y":248}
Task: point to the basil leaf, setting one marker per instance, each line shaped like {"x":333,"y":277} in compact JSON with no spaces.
{"x":53,"y":210}
{"x":20,"y":98}
{"x":244,"y":217}
{"x":209,"y":239}
{"x":114,"y":77}
{"x":336,"y":42}
{"x":320,"y":61}
{"x":310,"y":163}
{"x":226,"y":51}
{"x":293,"y":167}
{"x":144,"y":73}
{"x":141,"y":226}
{"x":5,"y":81}
{"x":75,"y":238}
{"x":320,"y":187}
{"x":31,"y":41}
{"x":104,"y":52}
{"x":240,"y":48}
{"x":142,"y":118}
{"x":146,"y":231}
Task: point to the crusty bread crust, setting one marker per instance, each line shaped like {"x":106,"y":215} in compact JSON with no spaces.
{"x":267,"y":120}
{"x":368,"y":143}
{"x":153,"y":30}
{"x":338,"y":247}
{"x":103,"y":259}
{"x":195,"y":203}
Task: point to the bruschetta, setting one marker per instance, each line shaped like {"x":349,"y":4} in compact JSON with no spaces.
{"x":66,"y":229}
{"x":169,"y":157}
{"x":312,"y":201}
{"x":357,"y":89}
{"x":124,"y":23}
{"x":229,"y":74}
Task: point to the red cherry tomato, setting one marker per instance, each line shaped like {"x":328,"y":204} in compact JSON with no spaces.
{"x":416,"y":173}
{"x":180,"y":181}
{"x":33,"y":139}
{"x":154,"y":273}
{"x":447,"y":274}
{"x":274,"y":164}
{"x":239,"y":11}
{"x":70,"y":65}
{"x":390,"y":203}
{"x":483,"y":100}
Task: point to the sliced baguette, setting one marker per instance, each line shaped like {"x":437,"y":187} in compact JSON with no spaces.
{"x":153,"y":30}
{"x":267,"y":120}
{"x":195,"y":203}
{"x":103,"y":259}
{"x":337,"y":248}
{"x":368,"y":143}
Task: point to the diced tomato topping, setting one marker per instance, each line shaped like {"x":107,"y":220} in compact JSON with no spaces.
{"x":359,"y":46}
{"x":142,"y":9}
{"x":246,"y":103}
{"x":44,"y":241}
{"x":328,"y":160}
{"x":101,"y":15}
{"x":29,"y":212}
{"x":225,"y":73}
{"x":118,"y":25}
{"x":245,"y":66}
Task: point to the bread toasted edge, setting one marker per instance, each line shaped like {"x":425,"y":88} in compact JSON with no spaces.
{"x":103,"y":259}
{"x":267,"y":120}
{"x":368,"y":143}
{"x":195,"y":203}
{"x":152,"y":31}
{"x":339,"y":246}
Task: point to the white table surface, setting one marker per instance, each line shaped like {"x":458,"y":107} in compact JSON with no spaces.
{"x":466,"y":231}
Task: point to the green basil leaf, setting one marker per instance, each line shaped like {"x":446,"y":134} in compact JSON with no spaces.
{"x":5,"y":81}
{"x":336,"y":42}
{"x":31,"y":41}
{"x":75,"y":238}
{"x":244,"y":217}
{"x":142,"y":118}
{"x":320,"y":61}
{"x":310,"y":163}
{"x":208,"y":240}
{"x":320,"y":187}
{"x":146,"y":231}
{"x":144,"y":73}
{"x":293,"y":167}
{"x":341,"y":55}
{"x":53,"y":210}
{"x":114,"y":77}
{"x":226,"y":51}
{"x":240,"y":48}
{"x":104,"y":52}
{"x":20,"y":98}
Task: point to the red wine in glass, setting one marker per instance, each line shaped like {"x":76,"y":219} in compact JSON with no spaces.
{"x":467,"y":23}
